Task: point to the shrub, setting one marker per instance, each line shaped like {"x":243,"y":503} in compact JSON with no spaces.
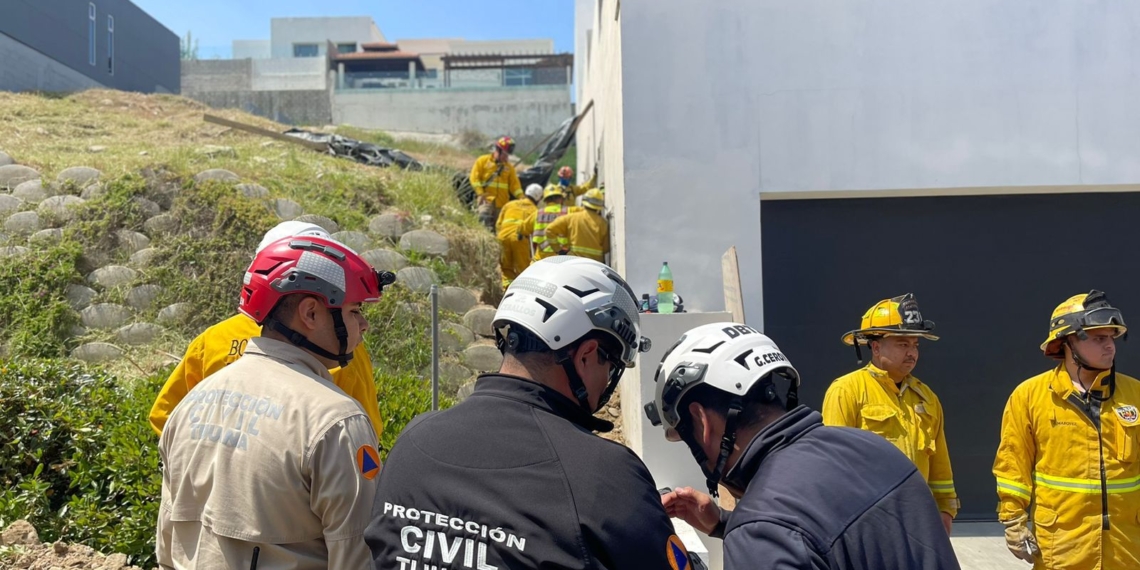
{"x":82,"y":463}
{"x":36,"y":318}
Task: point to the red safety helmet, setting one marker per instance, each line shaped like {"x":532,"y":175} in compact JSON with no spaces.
{"x":324,"y":268}
{"x":505,"y":144}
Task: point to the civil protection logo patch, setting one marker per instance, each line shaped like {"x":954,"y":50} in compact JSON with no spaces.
{"x":1128,"y":414}
{"x":368,"y":461}
{"x":676,"y":553}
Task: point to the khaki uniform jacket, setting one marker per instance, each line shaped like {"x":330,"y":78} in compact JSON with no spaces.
{"x":267,"y":452}
{"x":223,"y":343}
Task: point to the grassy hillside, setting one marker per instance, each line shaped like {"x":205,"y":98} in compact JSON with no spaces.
{"x":84,"y":464}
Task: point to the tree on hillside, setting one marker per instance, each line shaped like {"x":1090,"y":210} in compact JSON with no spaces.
{"x":189,"y":46}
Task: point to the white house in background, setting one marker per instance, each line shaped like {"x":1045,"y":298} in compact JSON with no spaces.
{"x":309,"y":37}
{"x":983,"y":154}
{"x":344,"y":70}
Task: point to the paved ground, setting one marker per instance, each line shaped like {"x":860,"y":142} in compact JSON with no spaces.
{"x":981,"y":546}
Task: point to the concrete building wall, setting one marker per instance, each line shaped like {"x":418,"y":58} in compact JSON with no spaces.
{"x":26,"y":69}
{"x":252,"y":49}
{"x":814,"y":99}
{"x":303,"y":74}
{"x":216,"y":75}
{"x":522,"y":112}
{"x":230,"y":84}
{"x":301,"y":108}
{"x":145,"y":53}
{"x":285,"y":32}
{"x":600,"y":136}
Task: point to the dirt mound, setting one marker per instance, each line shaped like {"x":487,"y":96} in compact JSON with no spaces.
{"x":20,"y":547}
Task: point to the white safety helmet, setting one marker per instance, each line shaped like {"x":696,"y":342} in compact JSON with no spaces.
{"x":561,"y":299}
{"x":534,"y":192}
{"x":730,"y":357}
{"x":291,"y":228}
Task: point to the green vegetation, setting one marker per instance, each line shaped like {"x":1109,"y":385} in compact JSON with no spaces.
{"x":84,"y":464}
{"x":80,"y":460}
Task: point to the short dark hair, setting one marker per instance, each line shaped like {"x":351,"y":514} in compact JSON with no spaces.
{"x":286,"y":306}
{"x":760,"y":400}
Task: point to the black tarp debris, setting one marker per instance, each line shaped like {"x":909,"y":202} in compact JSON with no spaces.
{"x":362,"y":152}
{"x":550,"y":154}
{"x":548,"y":158}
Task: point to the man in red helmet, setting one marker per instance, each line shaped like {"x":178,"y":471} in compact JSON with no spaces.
{"x":571,"y":190}
{"x":495,"y":181}
{"x":267,"y":458}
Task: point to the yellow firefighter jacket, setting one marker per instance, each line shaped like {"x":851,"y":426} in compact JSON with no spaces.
{"x":907,"y":414}
{"x":535,"y":226}
{"x":498,"y":182}
{"x":585,"y":234}
{"x":1077,"y":460}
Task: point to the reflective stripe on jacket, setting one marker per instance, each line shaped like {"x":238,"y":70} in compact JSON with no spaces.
{"x":1077,"y":460}
{"x":584,"y":233}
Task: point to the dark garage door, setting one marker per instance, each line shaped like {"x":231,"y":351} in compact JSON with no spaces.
{"x":987,"y":269}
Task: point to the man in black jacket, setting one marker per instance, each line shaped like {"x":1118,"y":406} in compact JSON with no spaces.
{"x":513,"y":477}
{"x":810,"y":497}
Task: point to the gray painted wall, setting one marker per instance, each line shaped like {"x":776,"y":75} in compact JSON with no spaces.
{"x":146,"y":53}
{"x":819,"y":99}
{"x":26,"y":69}
{"x":310,"y":108}
{"x":521,"y":113}
{"x":228,"y":84}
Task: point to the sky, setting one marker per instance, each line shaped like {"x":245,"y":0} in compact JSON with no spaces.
{"x":216,"y":23}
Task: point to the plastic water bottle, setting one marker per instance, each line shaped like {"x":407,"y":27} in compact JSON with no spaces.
{"x":665,"y":289}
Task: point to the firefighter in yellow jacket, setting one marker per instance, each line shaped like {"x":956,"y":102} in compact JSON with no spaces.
{"x":1070,"y":447}
{"x":515,"y":256}
{"x":885,"y":398}
{"x":585,"y":233}
{"x":495,"y":181}
{"x":553,"y":207}
{"x":226,"y":341}
{"x":572,"y":191}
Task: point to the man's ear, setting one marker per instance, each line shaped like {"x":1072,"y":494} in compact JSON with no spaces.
{"x":701,"y":428}
{"x":585,"y":350}
{"x":308,"y":315}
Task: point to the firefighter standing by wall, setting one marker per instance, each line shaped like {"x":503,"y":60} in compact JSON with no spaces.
{"x":883,"y":397}
{"x":495,"y":181}
{"x":585,"y":233}
{"x":1070,"y":446}
{"x":572,"y":191}
{"x":553,"y":207}
{"x":515,"y":256}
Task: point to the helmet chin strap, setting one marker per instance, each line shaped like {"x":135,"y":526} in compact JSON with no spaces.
{"x":727,"y":442}
{"x":299,"y":339}
{"x":1109,"y":381}
{"x":577,"y":386}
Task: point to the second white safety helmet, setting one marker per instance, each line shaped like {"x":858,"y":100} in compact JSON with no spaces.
{"x":562,"y":299}
{"x":534,"y":192}
{"x":730,"y":357}
{"x":292,"y":228}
